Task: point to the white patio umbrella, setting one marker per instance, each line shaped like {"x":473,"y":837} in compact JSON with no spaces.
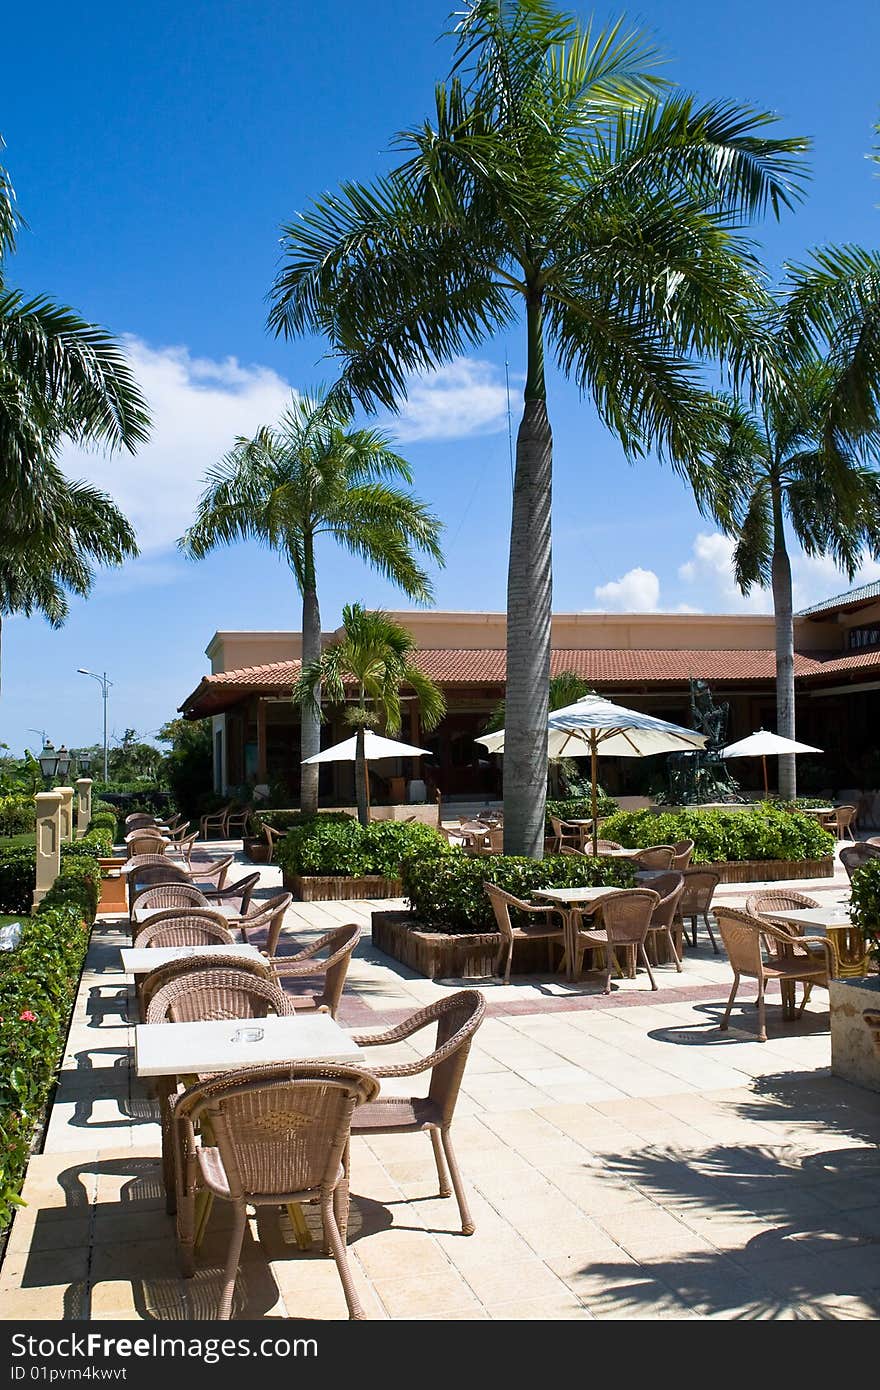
{"x":375,"y":748}
{"x":765,"y":745}
{"x":593,"y":726}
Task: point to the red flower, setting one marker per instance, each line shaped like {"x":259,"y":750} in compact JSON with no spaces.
{"x":27,"y":1017}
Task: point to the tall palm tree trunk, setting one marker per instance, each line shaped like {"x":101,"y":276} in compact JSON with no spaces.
{"x":529,"y":608}
{"x":310,"y":726}
{"x":782,"y":612}
{"x":360,"y":777}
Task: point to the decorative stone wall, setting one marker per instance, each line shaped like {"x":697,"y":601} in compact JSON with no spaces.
{"x":854,"y":1056}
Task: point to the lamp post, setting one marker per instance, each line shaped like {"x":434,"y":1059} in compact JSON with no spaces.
{"x":104,"y":684}
{"x":48,"y":761}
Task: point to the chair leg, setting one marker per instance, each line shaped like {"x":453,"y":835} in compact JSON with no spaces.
{"x":647,"y":964}
{"x":224,"y":1311}
{"x":762,"y":1021}
{"x":467,"y":1221}
{"x":442,"y":1173}
{"x":709,"y":930}
{"x":724,"y":1022}
{"x":509,"y":963}
{"x":675,"y":956}
{"x":808,"y":990}
{"x":337,"y":1250}
{"x":694,"y":930}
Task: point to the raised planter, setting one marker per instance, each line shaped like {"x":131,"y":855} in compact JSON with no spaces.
{"x":441,"y":955}
{"x":854,"y":1005}
{"x":312,"y":888}
{"x":113,"y":888}
{"x":257,"y":851}
{"x":770,"y":870}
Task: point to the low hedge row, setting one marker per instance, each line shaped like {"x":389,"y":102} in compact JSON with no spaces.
{"x":18,"y":868}
{"x":289,"y":820}
{"x":445,"y":888}
{"x":38,"y":982}
{"x":579,"y":808}
{"x":764,"y":832}
{"x":18,"y":815}
{"x":337,"y":844}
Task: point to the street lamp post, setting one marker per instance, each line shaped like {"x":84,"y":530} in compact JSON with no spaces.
{"x":104,"y":684}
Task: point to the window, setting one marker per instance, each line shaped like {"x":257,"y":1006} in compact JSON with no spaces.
{"x":866,"y":636}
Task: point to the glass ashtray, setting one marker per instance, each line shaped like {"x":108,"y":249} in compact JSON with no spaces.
{"x":248,"y":1035}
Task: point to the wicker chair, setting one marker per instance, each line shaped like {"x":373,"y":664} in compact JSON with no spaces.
{"x":184,"y":847}
{"x":785,"y":900}
{"x":215,"y":872}
{"x":145,"y":842}
{"x":237,"y":822}
{"x":682,"y":852}
{"x":566,"y":834}
{"x":169,"y":895}
{"x":696,"y":900}
{"x":841,"y":822}
{"x":670,"y":887}
{"x":272,"y":837}
{"x":626,"y":920}
{"x":280,"y":1135}
{"x":268,"y":915}
{"x":216,"y":820}
{"x":602,"y":846}
{"x":852,"y":857}
{"x":237,"y":895}
{"x":654,"y":857}
{"x":186,"y":965}
{"x":329,"y":972}
{"x":183,"y":926}
{"x":548,"y":925}
{"x":138,"y":820}
{"x":146,"y":870}
{"x":787,"y":959}
{"x":474,"y":835}
{"x":458,"y":1016}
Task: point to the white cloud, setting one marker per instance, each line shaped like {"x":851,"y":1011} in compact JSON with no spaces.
{"x":817,"y":578}
{"x":637,"y":591}
{"x":466,"y":397}
{"x":198,"y":406}
{"x":710,"y":568}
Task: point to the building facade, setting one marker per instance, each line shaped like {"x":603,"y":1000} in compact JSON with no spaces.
{"x":646,"y":661}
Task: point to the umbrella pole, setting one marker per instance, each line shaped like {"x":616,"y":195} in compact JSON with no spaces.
{"x":367,"y":786}
{"x":764,"y":761}
{"x":593,"y":776}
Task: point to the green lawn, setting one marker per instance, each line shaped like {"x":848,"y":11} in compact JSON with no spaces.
{"x":4,"y":921}
{"x":28,"y":839}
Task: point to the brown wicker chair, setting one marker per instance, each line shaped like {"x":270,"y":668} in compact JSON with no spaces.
{"x":147,"y":870}
{"x":213,"y":872}
{"x":145,"y":842}
{"x":681,"y":856}
{"x":626,"y":919}
{"x":267,"y":915}
{"x":566,"y":834}
{"x":670,"y":887}
{"x":785,"y":899}
{"x":237,"y":895}
{"x":602,"y":846}
{"x":654,"y":857}
{"x":852,"y":857}
{"x":548,"y":925}
{"x":237,"y":822}
{"x":183,"y":926}
{"x":216,"y":820}
{"x":787,"y":960}
{"x":329,"y":972}
{"x":168,"y":895}
{"x":186,"y":965}
{"x":138,"y":819}
{"x":458,"y":1016}
{"x":272,"y":837}
{"x":184,"y":847}
{"x":841,"y":822}
{"x":696,"y":900}
{"x":279,"y":1136}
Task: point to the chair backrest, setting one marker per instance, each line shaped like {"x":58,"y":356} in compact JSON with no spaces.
{"x":170,"y":895}
{"x":670,"y":887}
{"x":138,"y":819}
{"x":268,"y":914}
{"x":458,"y":1016}
{"x":211,"y":960}
{"x":339,"y":945}
{"x":501,"y":904}
{"x":279,"y":1130}
{"x":852,"y":857}
{"x":741,"y":934}
{"x":145,"y":842}
{"x":238,"y":894}
{"x":782,"y":899}
{"x":655,"y":857}
{"x":626,"y":916}
{"x":496,"y":839}
{"x":215,"y":872}
{"x":217,"y":992}
{"x":181,"y":927}
{"x":845,"y":817}
{"x":699,"y":886}
{"x":682,"y":852}
{"x":604,"y":845}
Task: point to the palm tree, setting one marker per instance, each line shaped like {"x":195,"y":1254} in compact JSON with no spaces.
{"x":377,"y":657}
{"x":563,"y":689}
{"x":315,"y":475}
{"x":51,"y":542}
{"x":560,"y":185}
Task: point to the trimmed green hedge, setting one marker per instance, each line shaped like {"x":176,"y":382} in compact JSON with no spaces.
{"x":340,"y":845}
{"x":288,"y":820}
{"x":864,"y":899}
{"x":38,"y":983}
{"x":580,"y":808}
{"x":18,"y":869}
{"x":18,"y":815}
{"x":446,"y":893}
{"x":765,"y":832}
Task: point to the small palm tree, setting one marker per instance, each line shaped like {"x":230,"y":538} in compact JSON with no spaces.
{"x":312,"y":476}
{"x":565,"y":688}
{"x":377,"y":658}
{"x":562,"y":187}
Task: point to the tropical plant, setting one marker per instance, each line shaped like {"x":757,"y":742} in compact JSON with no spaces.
{"x":375,"y":657}
{"x":312,"y":476}
{"x":343,"y":846}
{"x":60,"y":378}
{"x":561,"y":184}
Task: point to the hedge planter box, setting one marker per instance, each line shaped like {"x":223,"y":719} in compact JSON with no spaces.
{"x":771,"y":870}
{"x":257,"y":851}
{"x":855,"y":1054}
{"x":313,"y":888}
{"x":113,"y":890}
{"x":442,"y":955}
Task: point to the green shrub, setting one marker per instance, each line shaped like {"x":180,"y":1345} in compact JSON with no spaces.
{"x":18,"y":871}
{"x":286,"y":820}
{"x":864,"y":899}
{"x":446,"y":893}
{"x":579,"y":808}
{"x":18,"y":815}
{"x":764,"y":832}
{"x":340,"y":845}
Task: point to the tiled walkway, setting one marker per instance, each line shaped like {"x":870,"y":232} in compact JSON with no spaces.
{"x":626,"y":1160}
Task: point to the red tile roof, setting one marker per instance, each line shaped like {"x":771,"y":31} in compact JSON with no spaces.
{"x":462,"y":667}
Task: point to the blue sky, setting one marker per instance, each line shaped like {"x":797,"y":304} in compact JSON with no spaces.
{"x":155,"y":150}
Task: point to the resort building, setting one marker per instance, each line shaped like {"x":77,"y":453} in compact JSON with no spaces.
{"x":644,"y":660}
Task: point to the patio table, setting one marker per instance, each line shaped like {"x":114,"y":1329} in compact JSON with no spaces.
{"x":831,"y":920}
{"x":572,"y":901}
{"x":218,"y":1045}
{"x":140,"y":960}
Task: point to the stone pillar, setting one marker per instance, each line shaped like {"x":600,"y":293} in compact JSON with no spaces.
{"x":66,"y":794}
{"x":83,"y":805}
{"x":48,"y":842}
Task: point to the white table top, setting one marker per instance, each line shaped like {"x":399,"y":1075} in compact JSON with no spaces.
{"x":575,"y":895}
{"x":819,"y":918}
{"x":182,"y":1049}
{"x":144,"y":914}
{"x":140,"y":960}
